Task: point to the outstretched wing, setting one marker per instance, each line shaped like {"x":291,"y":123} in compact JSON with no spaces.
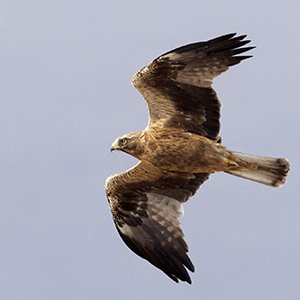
{"x":177,"y":84}
{"x":146,"y":203}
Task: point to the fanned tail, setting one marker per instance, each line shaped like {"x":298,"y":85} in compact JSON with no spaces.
{"x":269,"y":171}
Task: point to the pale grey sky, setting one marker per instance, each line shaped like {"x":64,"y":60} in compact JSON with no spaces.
{"x":66,"y":68}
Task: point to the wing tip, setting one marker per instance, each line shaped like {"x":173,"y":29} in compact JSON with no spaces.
{"x":221,"y":44}
{"x":176,"y":278}
{"x":229,"y":36}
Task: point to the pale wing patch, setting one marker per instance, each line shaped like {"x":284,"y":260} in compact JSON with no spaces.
{"x":163,"y":213}
{"x":166,"y":204}
{"x":173,"y":56}
{"x":202,"y":76}
{"x":199,"y":70}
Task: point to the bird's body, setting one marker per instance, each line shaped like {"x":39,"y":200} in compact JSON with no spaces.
{"x":178,"y":151}
{"x":160,"y":146}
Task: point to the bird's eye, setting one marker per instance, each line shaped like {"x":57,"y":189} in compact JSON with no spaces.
{"x":124,"y":141}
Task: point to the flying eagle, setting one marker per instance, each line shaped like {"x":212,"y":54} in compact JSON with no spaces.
{"x":178,"y":151}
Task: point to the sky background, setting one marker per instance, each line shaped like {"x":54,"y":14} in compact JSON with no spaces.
{"x":65,"y":96}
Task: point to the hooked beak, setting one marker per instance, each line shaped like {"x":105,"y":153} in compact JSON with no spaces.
{"x":114,"y":147}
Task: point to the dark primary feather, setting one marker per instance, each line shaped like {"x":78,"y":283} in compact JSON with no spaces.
{"x":177,"y":85}
{"x":146,"y":204}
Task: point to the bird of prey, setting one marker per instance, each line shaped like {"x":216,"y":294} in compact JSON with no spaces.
{"x":178,"y":151}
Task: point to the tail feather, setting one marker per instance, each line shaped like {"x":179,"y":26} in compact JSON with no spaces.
{"x":270,"y":171}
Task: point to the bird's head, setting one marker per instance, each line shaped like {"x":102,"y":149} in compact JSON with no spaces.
{"x":127,"y":143}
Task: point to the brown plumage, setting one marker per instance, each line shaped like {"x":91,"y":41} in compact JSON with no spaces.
{"x":178,"y":151}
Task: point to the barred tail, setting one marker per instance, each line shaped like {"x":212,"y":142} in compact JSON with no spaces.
{"x":270,"y":171}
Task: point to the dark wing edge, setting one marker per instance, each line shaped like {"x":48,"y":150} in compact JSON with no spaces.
{"x":177,"y":84}
{"x":145,"y":205}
